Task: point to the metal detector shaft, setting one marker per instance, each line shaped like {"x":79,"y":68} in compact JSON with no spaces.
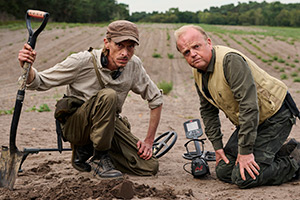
{"x":197,"y":147}
{"x":28,"y":151}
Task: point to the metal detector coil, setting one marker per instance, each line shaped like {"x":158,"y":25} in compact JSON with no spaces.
{"x":163,"y":143}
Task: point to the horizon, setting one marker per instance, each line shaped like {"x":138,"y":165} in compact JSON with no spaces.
{"x":188,"y":5}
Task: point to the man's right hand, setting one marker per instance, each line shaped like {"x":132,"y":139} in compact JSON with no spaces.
{"x":220,"y":155}
{"x":27,"y":54}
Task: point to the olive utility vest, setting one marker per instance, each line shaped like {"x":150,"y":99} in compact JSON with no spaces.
{"x":270,"y":91}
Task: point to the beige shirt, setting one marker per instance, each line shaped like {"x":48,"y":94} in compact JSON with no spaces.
{"x":78,"y":73}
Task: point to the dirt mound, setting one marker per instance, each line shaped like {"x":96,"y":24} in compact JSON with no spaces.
{"x":85,"y":188}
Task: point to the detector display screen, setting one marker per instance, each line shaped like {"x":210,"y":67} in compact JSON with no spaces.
{"x":192,"y":126}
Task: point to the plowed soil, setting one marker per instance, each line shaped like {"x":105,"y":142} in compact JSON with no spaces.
{"x":49,"y":175}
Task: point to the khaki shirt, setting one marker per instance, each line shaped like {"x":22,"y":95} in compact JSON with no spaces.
{"x":78,"y":74}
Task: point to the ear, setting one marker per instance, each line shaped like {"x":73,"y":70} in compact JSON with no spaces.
{"x":106,"y":43}
{"x":209,"y":41}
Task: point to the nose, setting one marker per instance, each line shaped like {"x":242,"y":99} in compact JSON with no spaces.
{"x":193,"y":53}
{"x":124,"y":52}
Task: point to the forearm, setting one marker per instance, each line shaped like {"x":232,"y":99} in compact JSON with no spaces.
{"x":153,"y":124}
{"x":31,"y":76}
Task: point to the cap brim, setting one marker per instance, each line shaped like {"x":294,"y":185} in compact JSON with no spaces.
{"x":123,"y":38}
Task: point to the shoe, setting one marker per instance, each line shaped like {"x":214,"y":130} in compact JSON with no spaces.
{"x":80,"y":154}
{"x":103,"y":167}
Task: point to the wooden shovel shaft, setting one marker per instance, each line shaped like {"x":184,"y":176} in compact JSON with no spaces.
{"x":24,"y":77}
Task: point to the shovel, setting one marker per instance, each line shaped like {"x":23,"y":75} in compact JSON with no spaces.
{"x":11,"y":157}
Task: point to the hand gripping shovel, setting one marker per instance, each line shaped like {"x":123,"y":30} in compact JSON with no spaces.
{"x":11,"y":157}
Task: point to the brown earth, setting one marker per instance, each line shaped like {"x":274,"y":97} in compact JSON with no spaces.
{"x":49,"y":175}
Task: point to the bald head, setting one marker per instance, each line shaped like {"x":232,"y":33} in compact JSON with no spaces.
{"x":185,"y":28}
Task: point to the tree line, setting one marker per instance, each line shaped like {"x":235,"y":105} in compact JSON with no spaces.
{"x":252,"y":13}
{"x":93,"y":11}
{"x":82,"y":11}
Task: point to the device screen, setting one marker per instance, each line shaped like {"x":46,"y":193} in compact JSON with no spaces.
{"x":192,"y":126}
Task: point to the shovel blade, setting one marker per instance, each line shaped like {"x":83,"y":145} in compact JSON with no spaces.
{"x":9,"y":166}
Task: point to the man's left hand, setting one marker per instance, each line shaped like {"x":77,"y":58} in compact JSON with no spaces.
{"x":247,"y":162}
{"x":145,"y":150}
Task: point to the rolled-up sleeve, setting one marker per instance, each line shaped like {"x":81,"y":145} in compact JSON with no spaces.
{"x":144,"y":86}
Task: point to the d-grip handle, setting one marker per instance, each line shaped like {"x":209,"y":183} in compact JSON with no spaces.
{"x":35,"y":14}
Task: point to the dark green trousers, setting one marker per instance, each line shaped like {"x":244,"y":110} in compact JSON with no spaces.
{"x":275,"y":168}
{"x":96,"y":122}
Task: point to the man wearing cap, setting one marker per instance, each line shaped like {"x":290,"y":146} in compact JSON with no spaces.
{"x":102,"y":79}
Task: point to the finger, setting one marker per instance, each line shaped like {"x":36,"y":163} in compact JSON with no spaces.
{"x":149,"y":155}
{"x":256,"y":165}
{"x":23,"y":59}
{"x":225,"y":159}
{"x":141,"y":149}
{"x":33,"y":54}
{"x":242,"y":172}
{"x":147,"y":152}
{"x":138,"y":144}
{"x":26,"y":56}
{"x":250,"y":172}
{"x":140,"y":152}
{"x":254,"y":169}
{"x":27,"y":46}
{"x":144,"y":155}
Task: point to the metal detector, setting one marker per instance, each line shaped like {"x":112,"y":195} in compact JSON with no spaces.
{"x":199,"y":157}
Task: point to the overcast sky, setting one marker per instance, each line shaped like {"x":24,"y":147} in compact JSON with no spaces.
{"x":183,"y":5}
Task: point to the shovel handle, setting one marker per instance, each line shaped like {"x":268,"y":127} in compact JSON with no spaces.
{"x":35,"y":14}
{"x":21,"y":92}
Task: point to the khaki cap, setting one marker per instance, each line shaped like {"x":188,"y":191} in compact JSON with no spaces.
{"x":122,"y":30}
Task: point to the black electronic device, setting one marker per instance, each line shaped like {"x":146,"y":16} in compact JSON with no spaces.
{"x":199,"y":157}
